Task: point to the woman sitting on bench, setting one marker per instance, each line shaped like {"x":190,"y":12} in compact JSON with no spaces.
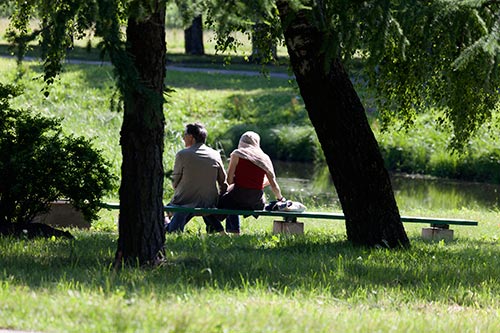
{"x":249,"y":171}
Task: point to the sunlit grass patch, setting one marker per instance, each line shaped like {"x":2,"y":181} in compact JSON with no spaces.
{"x":255,"y":282}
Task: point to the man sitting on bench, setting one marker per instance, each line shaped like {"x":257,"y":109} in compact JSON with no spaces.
{"x":198,"y":179}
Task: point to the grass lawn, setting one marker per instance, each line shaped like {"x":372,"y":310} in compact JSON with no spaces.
{"x":258,"y":282}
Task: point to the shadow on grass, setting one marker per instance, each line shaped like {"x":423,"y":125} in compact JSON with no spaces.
{"x":325,"y":263}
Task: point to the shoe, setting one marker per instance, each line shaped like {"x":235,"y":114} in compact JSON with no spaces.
{"x":166,"y":222}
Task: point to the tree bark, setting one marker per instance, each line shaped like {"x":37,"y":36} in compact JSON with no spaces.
{"x":193,"y":37}
{"x":351,"y":150}
{"x":141,"y":235}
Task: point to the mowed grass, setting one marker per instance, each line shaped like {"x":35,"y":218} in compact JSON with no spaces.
{"x":258,"y":282}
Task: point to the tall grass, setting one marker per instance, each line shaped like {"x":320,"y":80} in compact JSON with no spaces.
{"x":424,"y":149}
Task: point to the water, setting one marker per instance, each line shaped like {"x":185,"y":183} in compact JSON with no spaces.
{"x":303,"y":182}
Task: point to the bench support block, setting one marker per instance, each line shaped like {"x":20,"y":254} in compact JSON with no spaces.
{"x":437,"y":234}
{"x":63,"y":214}
{"x":295,"y":228}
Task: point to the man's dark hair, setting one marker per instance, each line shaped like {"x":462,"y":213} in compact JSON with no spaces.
{"x":198,"y":131}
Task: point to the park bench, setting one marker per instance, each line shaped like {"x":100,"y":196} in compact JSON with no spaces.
{"x":439,"y":228}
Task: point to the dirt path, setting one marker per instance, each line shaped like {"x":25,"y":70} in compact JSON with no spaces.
{"x":179,"y":68}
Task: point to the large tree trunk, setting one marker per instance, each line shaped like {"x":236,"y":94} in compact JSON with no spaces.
{"x":141,"y":235}
{"x":193,"y":37}
{"x":351,"y":150}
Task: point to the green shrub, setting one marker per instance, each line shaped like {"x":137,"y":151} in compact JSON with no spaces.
{"x":443,"y":165}
{"x":228,"y":141}
{"x":292,"y":143}
{"x":38,"y":165}
{"x":403,"y":155}
{"x":482,"y":168}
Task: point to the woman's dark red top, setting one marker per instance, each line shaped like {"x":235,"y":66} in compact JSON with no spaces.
{"x":248,"y":175}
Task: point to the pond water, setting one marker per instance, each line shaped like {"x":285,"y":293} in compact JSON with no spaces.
{"x":309,"y":184}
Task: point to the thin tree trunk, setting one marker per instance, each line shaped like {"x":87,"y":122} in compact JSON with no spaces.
{"x":193,"y":37}
{"x":350,"y":148}
{"x":262,"y":48}
{"x":141,"y":235}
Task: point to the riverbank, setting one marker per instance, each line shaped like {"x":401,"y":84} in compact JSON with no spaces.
{"x":232,"y":101}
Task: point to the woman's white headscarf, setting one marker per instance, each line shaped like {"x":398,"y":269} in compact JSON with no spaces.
{"x":249,"y":149}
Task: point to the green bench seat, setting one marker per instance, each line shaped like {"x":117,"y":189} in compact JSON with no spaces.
{"x":442,"y":223}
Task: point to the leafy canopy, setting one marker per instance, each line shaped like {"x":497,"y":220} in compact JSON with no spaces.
{"x":446,"y":56}
{"x":415,"y":54}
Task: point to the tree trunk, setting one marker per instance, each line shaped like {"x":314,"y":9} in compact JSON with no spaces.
{"x":351,"y":150}
{"x":193,"y":37}
{"x":262,"y":48}
{"x":141,"y":235}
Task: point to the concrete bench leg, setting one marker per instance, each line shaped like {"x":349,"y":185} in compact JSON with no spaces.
{"x":295,"y":228}
{"x":63,"y":214}
{"x":437,"y":234}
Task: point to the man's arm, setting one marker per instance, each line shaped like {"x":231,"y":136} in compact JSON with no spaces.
{"x":177,"y":173}
{"x":221,"y":177}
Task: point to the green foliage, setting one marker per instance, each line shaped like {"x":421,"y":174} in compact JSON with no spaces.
{"x":423,"y":149}
{"x":449,"y":59}
{"x":483,"y":167}
{"x":61,"y":23}
{"x":174,"y":18}
{"x":184,"y":11}
{"x":285,"y":143}
{"x":410,"y":160}
{"x":257,"y":20}
{"x":83,"y":93}
{"x":6,"y":9}
{"x":416,"y":54}
{"x":292,"y":143}
{"x":279,"y":118}
{"x":38,"y":165}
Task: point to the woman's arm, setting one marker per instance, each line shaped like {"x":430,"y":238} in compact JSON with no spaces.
{"x":274,"y":186}
{"x":266,"y":181}
{"x":233,"y":162}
